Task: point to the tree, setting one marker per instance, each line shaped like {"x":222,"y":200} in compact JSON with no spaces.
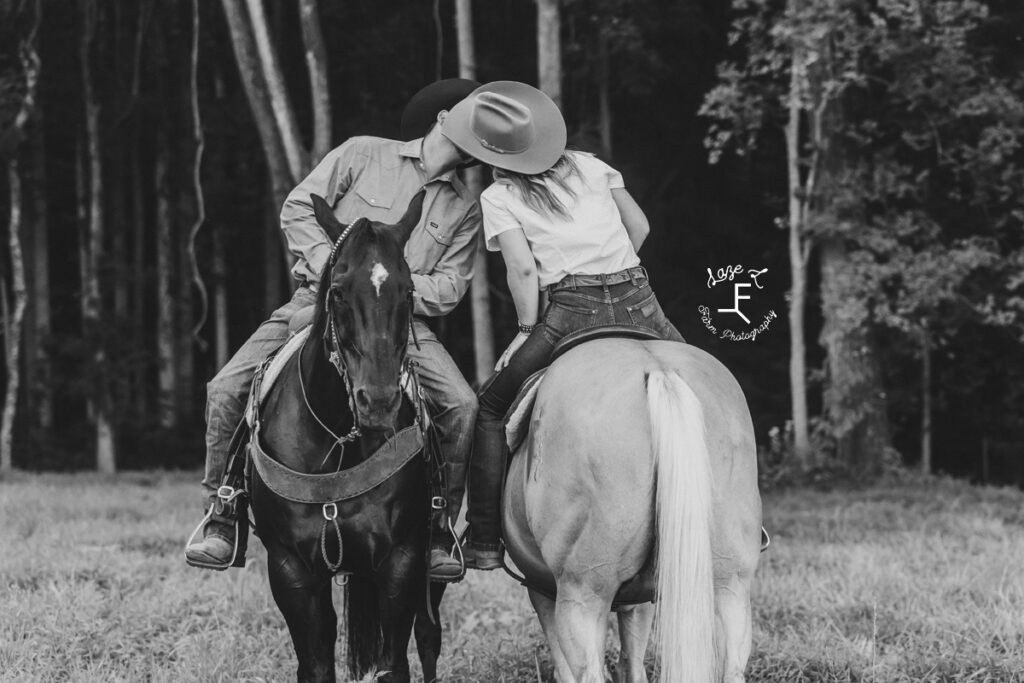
{"x":26,"y":79}
{"x":549,"y":49}
{"x":480,"y":291}
{"x":92,"y":302}
{"x":288,"y":160}
{"x":909,"y":144}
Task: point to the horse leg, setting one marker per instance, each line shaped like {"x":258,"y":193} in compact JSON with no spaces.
{"x":428,"y":634}
{"x":401,"y":584}
{"x":634,"y":630}
{"x":581,"y":620}
{"x":732,"y":600}
{"x":545,"y":608}
{"x":305,"y":602}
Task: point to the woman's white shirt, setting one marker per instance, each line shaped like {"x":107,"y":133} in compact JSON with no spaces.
{"x":591,"y":242}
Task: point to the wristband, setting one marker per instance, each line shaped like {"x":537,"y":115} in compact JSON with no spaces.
{"x":527,"y":329}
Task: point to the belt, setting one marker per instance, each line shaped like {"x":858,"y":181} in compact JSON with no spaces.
{"x":574,"y":281}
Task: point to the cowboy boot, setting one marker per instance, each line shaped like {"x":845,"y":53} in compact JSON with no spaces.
{"x":486,"y":477}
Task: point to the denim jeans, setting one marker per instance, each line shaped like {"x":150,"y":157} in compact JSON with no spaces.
{"x":451,"y":400}
{"x":453,"y":406}
{"x":228,"y":391}
{"x":569,"y":310}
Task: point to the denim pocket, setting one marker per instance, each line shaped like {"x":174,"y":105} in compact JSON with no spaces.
{"x":564,"y":317}
{"x":645,"y":313}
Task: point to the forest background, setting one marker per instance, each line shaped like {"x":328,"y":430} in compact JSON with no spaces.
{"x":867,"y":153}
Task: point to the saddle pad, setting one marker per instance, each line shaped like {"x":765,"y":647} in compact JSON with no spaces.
{"x":273,"y":371}
{"x":517,"y":420}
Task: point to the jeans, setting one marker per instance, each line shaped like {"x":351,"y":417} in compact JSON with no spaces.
{"x":569,"y":310}
{"x":228,"y":391}
{"x":453,"y":408}
{"x":452,"y":403}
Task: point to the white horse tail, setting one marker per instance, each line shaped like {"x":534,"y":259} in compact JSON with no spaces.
{"x":685,"y":623}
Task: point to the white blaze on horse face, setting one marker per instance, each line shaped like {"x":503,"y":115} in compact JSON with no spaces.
{"x":378,"y":274}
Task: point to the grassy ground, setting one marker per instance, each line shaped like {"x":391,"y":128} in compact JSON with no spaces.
{"x":920,"y":581}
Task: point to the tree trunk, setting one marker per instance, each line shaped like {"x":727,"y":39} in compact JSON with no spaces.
{"x":13,"y":329}
{"x":272,"y":297}
{"x":926,"y":400}
{"x":40,"y":271}
{"x":105,"y":454}
{"x":549,"y":49}
{"x":140,"y":394}
{"x":604,"y":95}
{"x":854,"y":400}
{"x":220,"y":298}
{"x":167,"y":371}
{"x":798,"y":277}
{"x":479,"y":292}
{"x":288,"y":128}
{"x":281,"y":178}
{"x":316,"y":62}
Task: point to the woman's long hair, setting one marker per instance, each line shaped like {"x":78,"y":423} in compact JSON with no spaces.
{"x":534,"y":189}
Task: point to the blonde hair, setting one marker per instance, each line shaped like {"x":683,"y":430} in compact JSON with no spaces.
{"x":534,"y":191}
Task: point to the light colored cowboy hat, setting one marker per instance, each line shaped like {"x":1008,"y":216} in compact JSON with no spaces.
{"x":509,"y":125}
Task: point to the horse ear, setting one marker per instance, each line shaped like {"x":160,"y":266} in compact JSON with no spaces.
{"x":325,"y":217}
{"x":411,"y":217}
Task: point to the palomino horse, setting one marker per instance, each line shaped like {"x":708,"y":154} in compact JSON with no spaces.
{"x":345,"y":381}
{"x":639,"y":447}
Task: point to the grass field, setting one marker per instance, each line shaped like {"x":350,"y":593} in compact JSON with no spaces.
{"x":916,"y":581}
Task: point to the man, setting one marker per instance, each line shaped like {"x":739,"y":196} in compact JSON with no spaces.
{"x":373,"y":178}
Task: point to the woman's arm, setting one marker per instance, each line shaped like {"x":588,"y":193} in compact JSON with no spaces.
{"x":522,"y":274}
{"x":633,"y":217}
{"x":523,"y":283}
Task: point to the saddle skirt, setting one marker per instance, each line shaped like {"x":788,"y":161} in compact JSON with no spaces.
{"x":517,"y":419}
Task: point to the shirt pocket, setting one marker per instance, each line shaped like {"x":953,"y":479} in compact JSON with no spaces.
{"x":373,"y":197}
{"x":442,"y":234}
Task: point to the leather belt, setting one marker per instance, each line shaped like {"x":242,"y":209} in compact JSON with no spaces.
{"x":574,"y":281}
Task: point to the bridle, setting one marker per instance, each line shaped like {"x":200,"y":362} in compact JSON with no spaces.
{"x":332,"y":346}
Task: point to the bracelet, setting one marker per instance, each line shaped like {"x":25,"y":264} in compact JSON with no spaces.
{"x":527,"y":329}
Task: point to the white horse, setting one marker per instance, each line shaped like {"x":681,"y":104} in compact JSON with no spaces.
{"x":638,"y":447}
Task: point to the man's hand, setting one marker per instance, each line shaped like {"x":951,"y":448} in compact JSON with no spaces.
{"x":511,"y":350}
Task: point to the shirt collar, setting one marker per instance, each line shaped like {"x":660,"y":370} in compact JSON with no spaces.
{"x":413,"y":150}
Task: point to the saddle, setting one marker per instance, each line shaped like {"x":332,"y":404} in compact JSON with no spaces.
{"x":517,"y":419}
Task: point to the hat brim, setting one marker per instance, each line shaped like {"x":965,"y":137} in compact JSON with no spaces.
{"x":541,"y":155}
{"x":421,"y":111}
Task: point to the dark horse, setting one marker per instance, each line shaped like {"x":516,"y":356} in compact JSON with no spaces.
{"x":344,"y":383}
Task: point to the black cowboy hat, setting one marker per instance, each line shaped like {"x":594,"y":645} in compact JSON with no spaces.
{"x":423,"y":107}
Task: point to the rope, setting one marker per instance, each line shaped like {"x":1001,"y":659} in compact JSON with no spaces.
{"x":200,"y":201}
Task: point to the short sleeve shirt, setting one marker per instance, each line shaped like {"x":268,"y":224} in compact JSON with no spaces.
{"x":592,"y":241}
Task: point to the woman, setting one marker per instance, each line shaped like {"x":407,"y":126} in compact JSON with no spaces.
{"x":564,"y":223}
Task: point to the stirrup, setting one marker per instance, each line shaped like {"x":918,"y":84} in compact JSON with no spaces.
{"x":226,"y":494}
{"x":455,"y":552}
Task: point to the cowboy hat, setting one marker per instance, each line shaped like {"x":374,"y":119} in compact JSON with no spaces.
{"x":509,"y":125}
{"x":423,"y":107}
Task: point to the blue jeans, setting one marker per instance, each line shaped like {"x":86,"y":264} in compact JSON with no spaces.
{"x":452,"y":403}
{"x":569,"y":310}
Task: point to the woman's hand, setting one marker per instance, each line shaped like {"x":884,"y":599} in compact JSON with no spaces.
{"x":511,"y":350}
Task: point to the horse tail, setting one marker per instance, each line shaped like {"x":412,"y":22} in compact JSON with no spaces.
{"x":364,"y":632}
{"x":685,"y":607}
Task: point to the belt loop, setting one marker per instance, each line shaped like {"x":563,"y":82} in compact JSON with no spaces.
{"x":572,"y":281}
{"x":632,"y":275}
